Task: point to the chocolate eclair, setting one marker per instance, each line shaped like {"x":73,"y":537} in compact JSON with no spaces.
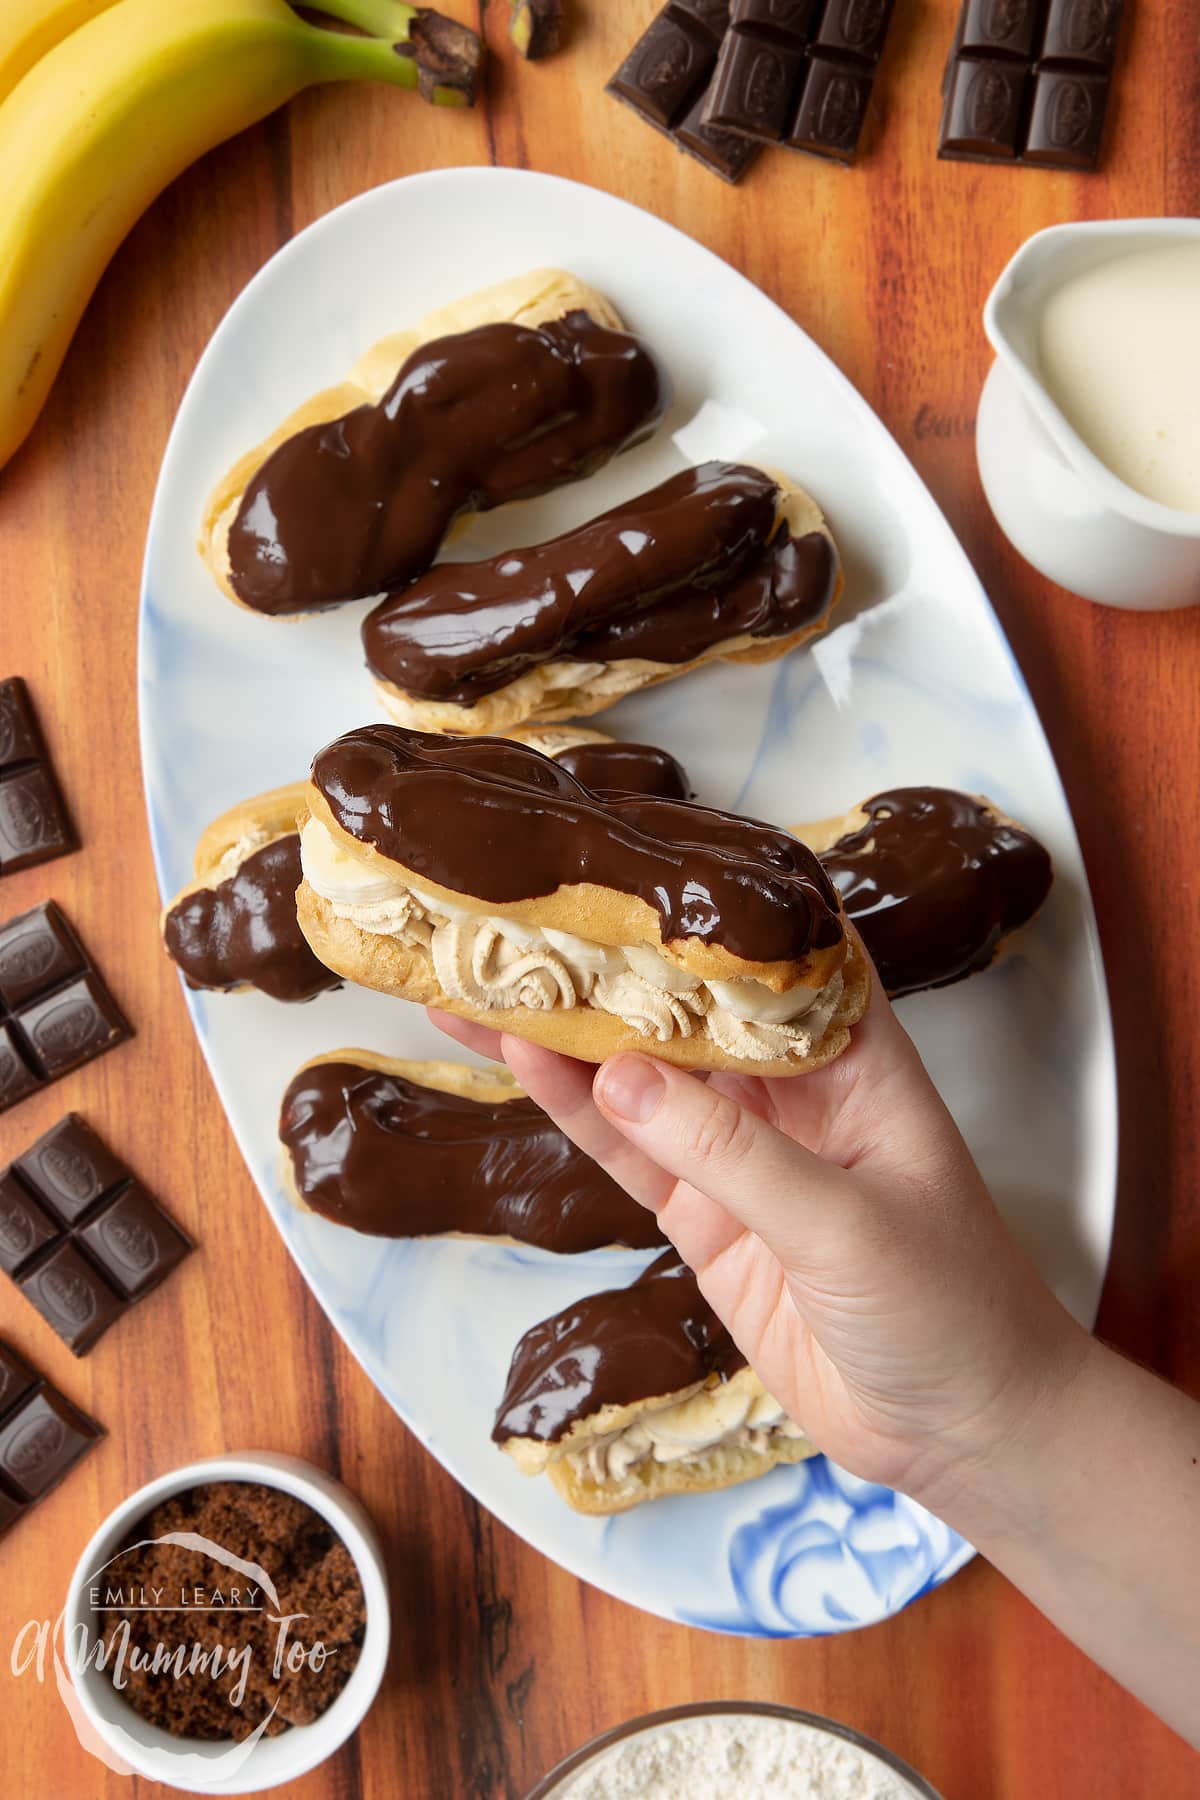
{"x":933,"y":880}
{"x":509,"y":393}
{"x":640,"y":1392}
{"x":234,"y":927}
{"x":477,"y":875}
{"x":610,"y":765}
{"x":438,"y":1149}
{"x":720,"y":562}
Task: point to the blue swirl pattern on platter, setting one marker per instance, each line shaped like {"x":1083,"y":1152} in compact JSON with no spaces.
{"x":835,"y":1554}
{"x":914,"y":683}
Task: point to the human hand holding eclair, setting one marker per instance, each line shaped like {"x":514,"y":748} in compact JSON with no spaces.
{"x":840,"y":1229}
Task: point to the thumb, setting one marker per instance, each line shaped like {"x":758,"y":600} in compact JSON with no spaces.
{"x":785,"y":1194}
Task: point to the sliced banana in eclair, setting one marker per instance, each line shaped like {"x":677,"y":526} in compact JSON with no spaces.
{"x":640,"y":1392}
{"x":508,"y":393}
{"x":477,"y":875}
{"x":933,"y":880}
{"x":234,"y":927}
{"x":721,"y":562}
{"x":438,"y":1149}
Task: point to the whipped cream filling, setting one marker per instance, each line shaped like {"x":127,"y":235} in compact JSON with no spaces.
{"x":728,"y":1415}
{"x":527,"y":694}
{"x":493,"y":962}
{"x":232,"y":859}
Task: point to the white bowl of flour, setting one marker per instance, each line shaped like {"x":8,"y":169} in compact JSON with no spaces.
{"x":732,"y":1750}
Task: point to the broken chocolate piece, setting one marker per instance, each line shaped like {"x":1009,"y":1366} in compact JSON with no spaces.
{"x":665,"y":79}
{"x":41,"y":1440}
{"x":34,"y":824}
{"x":791,"y":72}
{"x":55,"y":1010}
{"x":1028,"y":81}
{"x":80,"y":1235}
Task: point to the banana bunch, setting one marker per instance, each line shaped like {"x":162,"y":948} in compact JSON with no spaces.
{"x":103,"y":102}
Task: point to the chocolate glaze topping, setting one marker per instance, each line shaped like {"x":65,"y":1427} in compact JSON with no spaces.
{"x":360,"y":504}
{"x":384,"y":1155}
{"x":693,"y":563}
{"x":633,"y":1343}
{"x":627,"y":768}
{"x":245,"y":929}
{"x":933,"y":882}
{"x":500,"y":821}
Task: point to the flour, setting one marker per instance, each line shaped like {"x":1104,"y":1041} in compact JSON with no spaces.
{"x":734,"y":1756}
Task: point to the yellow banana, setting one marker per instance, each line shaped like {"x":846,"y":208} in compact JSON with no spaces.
{"x":28,"y":30}
{"x":100,"y":125}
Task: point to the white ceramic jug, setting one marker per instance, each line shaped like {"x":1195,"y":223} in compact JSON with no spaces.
{"x":1068,"y":514}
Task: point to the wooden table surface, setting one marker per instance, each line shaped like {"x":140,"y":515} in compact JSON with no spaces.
{"x":502,"y":1662}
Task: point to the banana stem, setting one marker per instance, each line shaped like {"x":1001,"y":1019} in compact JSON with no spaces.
{"x":378,"y":18}
{"x":440,"y":58}
{"x":430,"y":53}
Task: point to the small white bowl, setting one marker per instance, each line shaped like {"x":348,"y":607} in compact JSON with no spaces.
{"x":1055,"y":501}
{"x":218,"y":1768}
{"x":589,"y":1761}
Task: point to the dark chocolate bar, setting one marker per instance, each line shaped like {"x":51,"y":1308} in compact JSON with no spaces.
{"x":79,"y":1234}
{"x":56,"y":1012}
{"x":1028,"y":82}
{"x":34,"y":823}
{"x":799,"y":72}
{"x":665,"y":79}
{"x":42,"y":1436}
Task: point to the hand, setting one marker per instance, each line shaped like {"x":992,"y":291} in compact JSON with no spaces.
{"x":840,"y":1229}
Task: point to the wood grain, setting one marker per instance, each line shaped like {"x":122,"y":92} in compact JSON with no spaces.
{"x":502,"y":1662}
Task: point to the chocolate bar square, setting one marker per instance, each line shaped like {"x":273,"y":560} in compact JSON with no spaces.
{"x":72,"y":1296}
{"x":34,"y":823}
{"x":16,"y":1077}
{"x":726,"y":153}
{"x":1067,"y":119}
{"x":40,"y":1442}
{"x":1000,"y":28}
{"x":665,"y":68}
{"x":20,"y":739}
{"x":752,"y":90}
{"x":69,"y":1168}
{"x":1082,"y":33}
{"x":833,"y":106}
{"x":854,"y":28}
{"x":24,"y":1227}
{"x":984,"y":110}
{"x":134,"y":1242}
{"x":38,"y":950}
{"x":17,"y":1378}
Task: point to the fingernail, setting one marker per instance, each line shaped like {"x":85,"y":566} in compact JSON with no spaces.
{"x":630,"y":1087}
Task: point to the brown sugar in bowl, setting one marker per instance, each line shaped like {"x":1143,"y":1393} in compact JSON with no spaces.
{"x":210,"y":1764}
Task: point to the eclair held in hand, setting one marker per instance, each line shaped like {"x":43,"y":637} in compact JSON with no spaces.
{"x":506,"y":394}
{"x":723,"y":561}
{"x":234,"y":926}
{"x":477,"y":875}
{"x":640,"y":1392}
{"x":437,"y":1149}
{"x":934,"y":881}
